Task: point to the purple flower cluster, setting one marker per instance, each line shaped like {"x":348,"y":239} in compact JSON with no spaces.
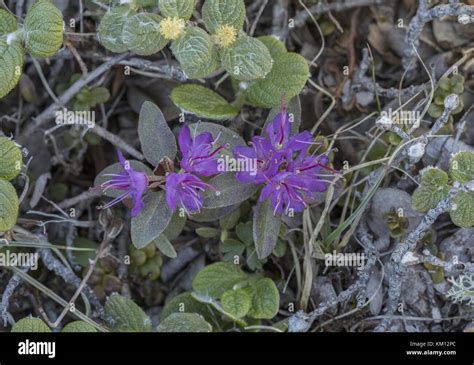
{"x":290,"y":174}
{"x":199,"y":158}
{"x":182,"y":189}
{"x":133,"y":183}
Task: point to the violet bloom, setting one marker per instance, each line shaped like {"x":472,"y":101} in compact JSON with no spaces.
{"x":134,"y":184}
{"x":291,"y":192}
{"x":199,"y":152}
{"x":267,"y":161}
{"x":185,"y":190}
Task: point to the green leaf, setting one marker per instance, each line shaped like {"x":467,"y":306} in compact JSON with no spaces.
{"x":7,"y":22}
{"x":231,"y":248}
{"x":79,"y":326}
{"x":211,"y":215}
{"x":177,"y":8}
{"x":461,"y":167}
{"x":83,"y":257}
{"x":288,"y":76}
{"x":425,"y":197}
{"x":9,"y":206}
{"x":30,"y":324}
{"x":207,"y":232}
{"x":231,"y":220}
{"x":163,"y":244}
{"x":43,"y":29}
{"x":435,"y":111}
{"x":275,"y":47}
{"x":203,"y":102}
{"x":141,"y":33}
{"x":115,"y":169}
{"x":218,"y":13}
{"x":266,"y":228}
{"x":111,"y":28}
{"x":244,"y":233}
{"x":293,"y":109}
{"x":176,"y":226}
{"x":215,"y":279}
{"x":462,"y":209}
{"x":11,"y":65}
{"x":247,"y":59}
{"x":128,"y":316}
{"x":156,"y":138}
{"x":152,"y":221}
{"x":434,"y":177}
{"x":185,"y":303}
{"x":11,"y":159}
{"x":99,"y":95}
{"x":266,"y":299}
{"x":184,"y":322}
{"x":236,"y":302}
{"x":196,"y":53}
{"x":230,"y":191}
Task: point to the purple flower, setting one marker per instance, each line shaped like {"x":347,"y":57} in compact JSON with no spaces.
{"x":267,"y":161}
{"x":291,"y":192}
{"x":134,"y":184}
{"x":199,"y":152}
{"x":291,"y":176}
{"x":185,"y":190}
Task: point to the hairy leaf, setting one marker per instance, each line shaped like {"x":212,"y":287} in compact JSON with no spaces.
{"x":184,"y":322}
{"x":247,"y":59}
{"x":79,"y":326}
{"x":217,"y":13}
{"x":9,"y":206}
{"x":196,"y":53}
{"x":152,"y":221}
{"x":128,"y":316}
{"x":177,"y":8}
{"x":44,"y":28}
{"x":11,"y":159}
{"x":236,"y":302}
{"x":462,"y":209}
{"x":7,"y":22}
{"x":111,"y":28}
{"x":11,"y":65}
{"x":215,"y":279}
{"x":266,"y":299}
{"x":141,"y":34}
{"x":203,"y":102}
{"x":30,"y":325}
{"x":266,"y":227}
{"x":287,"y":77}
{"x":230,"y":191}
{"x":461,"y":167}
{"x":156,"y":138}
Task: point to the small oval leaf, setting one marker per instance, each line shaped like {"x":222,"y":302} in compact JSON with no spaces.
{"x":8,"y":206}
{"x":236,"y":302}
{"x":79,"y":326}
{"x":30,"y":325}
{"x":462,"y":209}
{"x":266,"y":228}
{"x":184,"y":322}
{"x":230,"y":191}
{"x":196,"y":53}
{"x":11,"y":157}
{"x":177,"y":8}
{"x":156,"y":138}
{"x":141,"y":34}
{"x":44,"y":28}
{"x":128,"y":316}
{"x":152,"y":221}
{"x":11,"y":65}
{"x":111,"y":28}
{"x":247,"y":59}
{"x":215,"y":279}
{"x":218,"y":13}
{"x":203,"y":102}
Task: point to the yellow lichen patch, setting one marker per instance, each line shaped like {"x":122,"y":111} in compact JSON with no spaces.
{"x":225,"y":36}
{"x":171,"y":28}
